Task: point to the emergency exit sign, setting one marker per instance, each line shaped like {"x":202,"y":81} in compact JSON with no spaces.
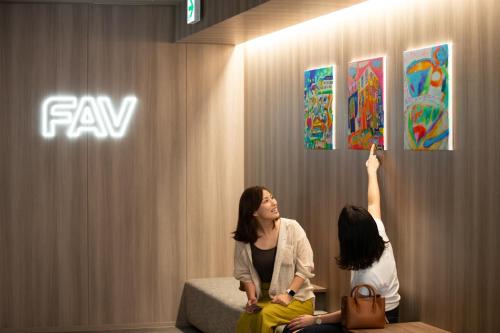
{"x":193,"y":11}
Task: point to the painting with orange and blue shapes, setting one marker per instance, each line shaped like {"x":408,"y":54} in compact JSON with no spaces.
{"x":365,"y":104}
{"x":319,"y":87}
{"x":427,"y":98}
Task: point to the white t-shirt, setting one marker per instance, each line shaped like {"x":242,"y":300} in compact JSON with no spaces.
{"x":382,"y":275}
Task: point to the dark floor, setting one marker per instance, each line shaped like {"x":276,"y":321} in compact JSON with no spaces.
{"x":181,"y":330}
{"x":151,"y":330}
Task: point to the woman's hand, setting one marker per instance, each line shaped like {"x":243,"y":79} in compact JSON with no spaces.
{"x":252,"y":306}
{"x":372,"y":163}
{"x":283,"y":299}
{"x":301,"y":322}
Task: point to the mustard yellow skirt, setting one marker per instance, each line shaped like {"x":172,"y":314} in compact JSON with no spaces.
{"x":272,"y":315}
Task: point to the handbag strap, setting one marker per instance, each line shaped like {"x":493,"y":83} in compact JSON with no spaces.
{"x":355,"y":291}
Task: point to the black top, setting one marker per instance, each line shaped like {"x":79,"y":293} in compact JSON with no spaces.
{"x":263,"y":261}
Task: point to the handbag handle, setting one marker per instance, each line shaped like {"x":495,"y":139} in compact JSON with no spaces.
{"x":355,"y":291}
{"x":371,"y":294}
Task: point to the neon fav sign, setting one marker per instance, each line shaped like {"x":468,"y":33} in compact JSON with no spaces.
{"x":87,"y":115}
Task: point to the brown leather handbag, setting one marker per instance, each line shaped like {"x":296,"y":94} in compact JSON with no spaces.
{"x":359,"y":311}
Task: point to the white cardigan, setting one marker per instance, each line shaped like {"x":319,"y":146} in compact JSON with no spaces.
{"x":294,"y":256}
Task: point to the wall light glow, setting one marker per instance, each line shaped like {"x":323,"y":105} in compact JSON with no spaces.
{"x":319,"y":23}
{"x":89,"y":115}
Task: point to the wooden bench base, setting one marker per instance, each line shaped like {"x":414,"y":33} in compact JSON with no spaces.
{"x":413,"y":327}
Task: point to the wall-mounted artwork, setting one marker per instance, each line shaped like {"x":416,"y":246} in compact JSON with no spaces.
{"x":366,"y":104}
{"x":319,"y":108}
{"x":427,"y":112}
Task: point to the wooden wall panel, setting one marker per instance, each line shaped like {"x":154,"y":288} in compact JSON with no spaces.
{"x":169,"y":170}
{"x":215,"y":156}
{"x":438,"y":207}
{"x":101,"y":234}
{"x":43,"y":201}
{"x":137,"y":184}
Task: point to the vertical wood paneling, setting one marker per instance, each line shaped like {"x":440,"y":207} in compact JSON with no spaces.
{"x":169,"y":171}
{"x":490,"y":190}
{"x":215,"y":156}
{"x":439,"y":207}
{"x":272,"y":119}
{"x":94,"y":233}
{"x":137,"y":184}
{"x":43,"y":218}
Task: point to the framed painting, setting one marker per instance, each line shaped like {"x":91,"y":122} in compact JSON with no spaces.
{"x":319,"y":108}
{"x":366,"y":104}
{"x":427,"y":102}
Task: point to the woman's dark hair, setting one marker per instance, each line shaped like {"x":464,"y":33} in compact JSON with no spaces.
{"x":360,"y":243}
{"x":250,"y":200}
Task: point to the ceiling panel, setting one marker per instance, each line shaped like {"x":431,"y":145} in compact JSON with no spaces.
{"x":265,"y":18}
{"x":102,"y":2}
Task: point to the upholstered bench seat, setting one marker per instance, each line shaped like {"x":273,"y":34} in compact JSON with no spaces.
{"x":214,"y":305}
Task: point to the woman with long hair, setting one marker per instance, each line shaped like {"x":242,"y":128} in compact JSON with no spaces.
{"x":273,"y":261}
{"x":365,"y":250}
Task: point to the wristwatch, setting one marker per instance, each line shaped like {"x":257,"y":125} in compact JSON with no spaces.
{"x":290,"y":292}
{"x":318,"y":320}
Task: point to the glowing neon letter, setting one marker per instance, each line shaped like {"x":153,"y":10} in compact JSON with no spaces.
{"x":87,"y":118}
{"x":56,"y":110}
{"x":117,"y":123}
{"x":89,"y":115}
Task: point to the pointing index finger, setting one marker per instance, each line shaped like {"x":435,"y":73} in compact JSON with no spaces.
{"x":372,"y":150}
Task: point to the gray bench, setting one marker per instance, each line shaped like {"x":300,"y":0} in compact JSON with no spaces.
{"x":214,"y":305}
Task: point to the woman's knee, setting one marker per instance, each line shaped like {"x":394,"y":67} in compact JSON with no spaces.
{"x":268,"y":311}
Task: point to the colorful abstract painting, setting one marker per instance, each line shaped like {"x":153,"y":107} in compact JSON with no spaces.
{"x":319,"y":87}
{"x":365,"y":104}
{"x":427,"y":114}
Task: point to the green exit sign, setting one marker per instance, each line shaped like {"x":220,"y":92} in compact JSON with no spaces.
{"x":193,"y":11}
